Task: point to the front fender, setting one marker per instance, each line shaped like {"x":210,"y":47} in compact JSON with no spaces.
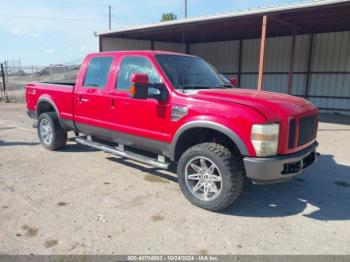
{"x":220,"y":127}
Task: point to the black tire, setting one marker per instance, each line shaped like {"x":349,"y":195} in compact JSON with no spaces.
{"x":230,"y":166}
{"x":59,"y":135}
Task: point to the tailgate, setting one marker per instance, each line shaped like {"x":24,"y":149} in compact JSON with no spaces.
{"x":31,"y":96}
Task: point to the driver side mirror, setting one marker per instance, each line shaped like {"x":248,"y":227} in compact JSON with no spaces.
{"x":141,"y":88}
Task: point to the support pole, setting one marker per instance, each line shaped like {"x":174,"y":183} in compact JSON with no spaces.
{"x":262,"y":52}
{"x":185,"y":8}
{"x":307,"y":82}
{"x":51,"y":73}
{"x":239,"y":62}
{"x":99,"y":43}
{"x":291,"y":65}
{"x":4,"y":83}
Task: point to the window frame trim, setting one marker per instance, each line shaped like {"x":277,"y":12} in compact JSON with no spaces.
{"x":86,"y":87}
{"x":121,"y":59}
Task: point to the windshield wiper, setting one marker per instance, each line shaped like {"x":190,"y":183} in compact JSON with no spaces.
{"x":200,"y":87}
{"x":194,"y":87}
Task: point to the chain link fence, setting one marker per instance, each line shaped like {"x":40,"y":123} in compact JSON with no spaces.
{"x":15,"y":78}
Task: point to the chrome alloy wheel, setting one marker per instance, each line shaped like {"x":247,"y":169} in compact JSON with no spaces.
{"x":46,"y":134}
{"x":203,"y":178}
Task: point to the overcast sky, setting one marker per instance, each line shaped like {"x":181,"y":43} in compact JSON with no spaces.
{"x":59,"y":31}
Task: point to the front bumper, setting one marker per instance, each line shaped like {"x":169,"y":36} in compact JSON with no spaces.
{"x":279,"y":168}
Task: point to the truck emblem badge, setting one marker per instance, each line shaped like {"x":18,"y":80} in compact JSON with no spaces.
{"x":178,"y":112}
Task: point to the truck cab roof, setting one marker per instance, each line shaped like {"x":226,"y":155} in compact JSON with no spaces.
{"x":140,"y":52}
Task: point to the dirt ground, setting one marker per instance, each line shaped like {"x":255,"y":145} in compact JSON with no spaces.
{"x":82,"y":201}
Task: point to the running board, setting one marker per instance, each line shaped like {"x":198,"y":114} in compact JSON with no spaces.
{"x":120,"y":152}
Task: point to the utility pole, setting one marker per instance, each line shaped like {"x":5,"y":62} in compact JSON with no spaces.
{"x":185,"y":8}
{"x":110,"y":16}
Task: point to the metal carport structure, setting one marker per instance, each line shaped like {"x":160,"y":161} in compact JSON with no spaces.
{"x":301,"y":49}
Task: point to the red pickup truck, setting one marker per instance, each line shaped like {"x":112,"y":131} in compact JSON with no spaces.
{"x":164,"y":108}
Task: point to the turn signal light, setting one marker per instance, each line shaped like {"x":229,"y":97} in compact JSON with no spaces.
{"x":132,"y":90}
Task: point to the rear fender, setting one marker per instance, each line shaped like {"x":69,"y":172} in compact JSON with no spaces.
{"x":52,"y":103}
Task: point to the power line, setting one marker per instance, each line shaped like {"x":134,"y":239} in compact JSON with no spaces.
{"x":50,"y":18}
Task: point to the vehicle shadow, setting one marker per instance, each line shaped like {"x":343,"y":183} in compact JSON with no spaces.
{"x":17,"y":143}
{"x":75,"y":147}
{"x":150,"y":170}
{"x":322,"y":193}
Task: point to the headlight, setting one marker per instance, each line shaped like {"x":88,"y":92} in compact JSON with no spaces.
{"x":265,"y":139}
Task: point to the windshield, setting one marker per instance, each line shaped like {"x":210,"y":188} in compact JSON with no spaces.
{"x":187,"y":72}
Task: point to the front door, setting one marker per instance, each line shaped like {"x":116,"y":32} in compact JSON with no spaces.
{"x":139,"y":118}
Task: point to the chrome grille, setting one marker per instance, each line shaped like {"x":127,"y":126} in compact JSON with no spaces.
{"x":307,"y":129}
{"x":292,"y":133}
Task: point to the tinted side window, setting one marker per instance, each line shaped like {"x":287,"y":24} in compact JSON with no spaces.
{"x":97,"y":71}
{"x":135,"y":64}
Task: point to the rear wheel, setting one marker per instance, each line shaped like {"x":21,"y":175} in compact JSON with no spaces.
{"x":52,"y":136}
{"x":210,"y":176}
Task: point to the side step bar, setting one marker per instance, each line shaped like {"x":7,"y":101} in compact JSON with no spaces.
{"x":120,"y":152}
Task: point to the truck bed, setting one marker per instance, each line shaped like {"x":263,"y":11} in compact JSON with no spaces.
{"x":62,"y":92}
{"x":58,"y":83}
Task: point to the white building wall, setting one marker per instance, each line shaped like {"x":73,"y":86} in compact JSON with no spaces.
{"x":222,"y":55}
{"x":120,"y":44}
{"x":331,"y":53}
{"x":173,"y":47}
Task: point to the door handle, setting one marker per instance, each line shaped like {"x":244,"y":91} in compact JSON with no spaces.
{"x":81,"y":99}
{"x":112,"y":103}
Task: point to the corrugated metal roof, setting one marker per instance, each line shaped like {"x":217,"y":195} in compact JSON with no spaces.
{"x":234,"y":14}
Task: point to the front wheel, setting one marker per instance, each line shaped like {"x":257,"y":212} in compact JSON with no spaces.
{"x":210,"y":176}
{"x":52,"y":136}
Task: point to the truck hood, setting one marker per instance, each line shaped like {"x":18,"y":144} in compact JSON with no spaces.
{"x":272,"y":105}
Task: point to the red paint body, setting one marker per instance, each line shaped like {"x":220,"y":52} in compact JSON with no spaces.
{"x":109,"y":108}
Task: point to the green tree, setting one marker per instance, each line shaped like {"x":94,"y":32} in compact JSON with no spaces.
{"x":168,"y":17}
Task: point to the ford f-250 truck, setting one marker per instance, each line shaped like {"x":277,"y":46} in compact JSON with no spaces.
{"x":164,"y":108}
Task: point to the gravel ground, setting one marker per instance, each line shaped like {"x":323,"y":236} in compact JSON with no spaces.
{"x":82,"y":201}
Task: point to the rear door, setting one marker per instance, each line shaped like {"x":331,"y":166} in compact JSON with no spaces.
{"x":90,"y":99}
